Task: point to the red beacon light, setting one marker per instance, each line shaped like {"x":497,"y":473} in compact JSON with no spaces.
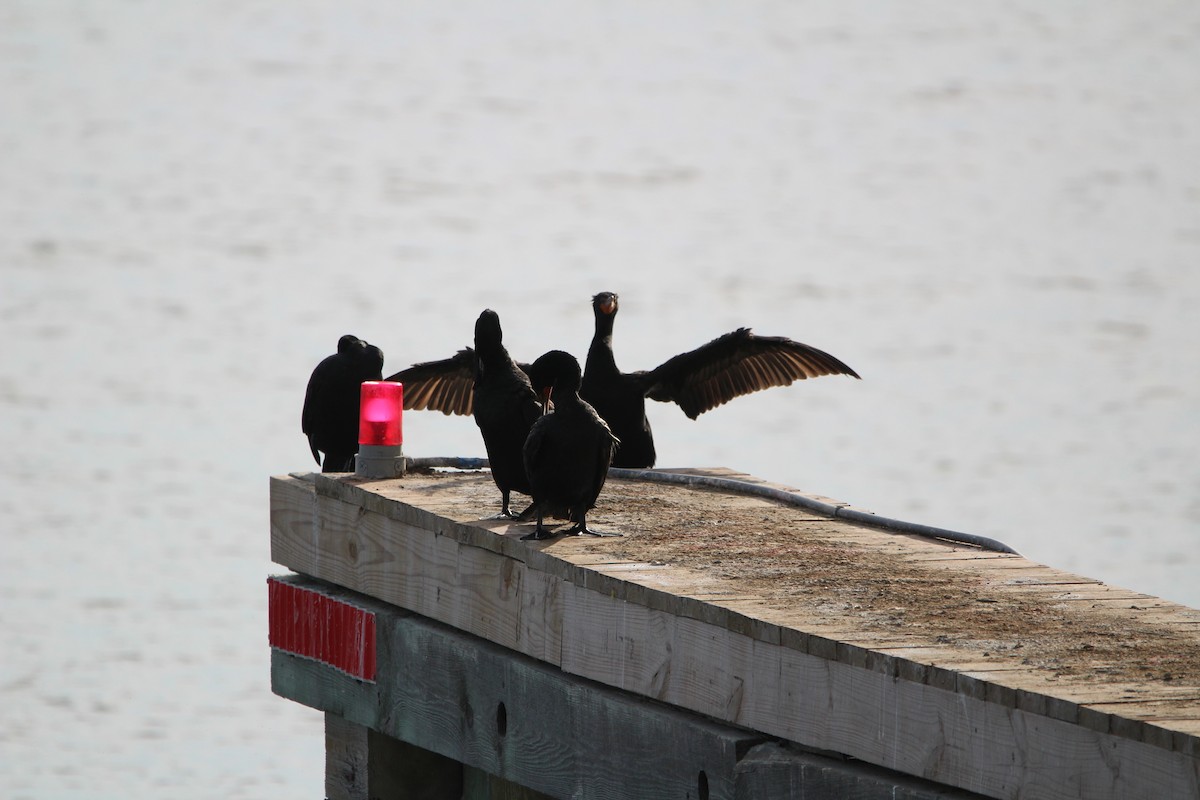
{"x":381,"y":409}
{"x":380,"y":432}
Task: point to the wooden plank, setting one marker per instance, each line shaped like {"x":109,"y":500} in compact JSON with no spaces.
{"x":866,"y":713}
{"x":990,"y":749}
{"x":479,"y":785}
{"x":475,"y":589}
{"x":293,"y":513}
{"x":319,"y":686}
{"x":815,"y":676}
{"x":617,"y":643}
{"x":361,"y":764}
{"x":713,"y":672}
{"x":513,"y":717}
{"x":574,"y":719}
{"x":345,"y":760}
{"x":772,"y":772}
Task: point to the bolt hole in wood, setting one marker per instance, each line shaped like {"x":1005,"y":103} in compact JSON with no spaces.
{"x":501,"y":719}
{"x":702,"y":786}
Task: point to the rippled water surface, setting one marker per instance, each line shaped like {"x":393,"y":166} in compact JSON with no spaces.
{"x":991,"y":212}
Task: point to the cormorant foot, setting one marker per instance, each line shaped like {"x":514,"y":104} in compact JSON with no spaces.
{"x":576,"y":530}
{"x":539,"y":533}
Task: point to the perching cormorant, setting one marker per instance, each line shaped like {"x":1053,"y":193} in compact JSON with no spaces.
{"x":330,"y":415}
{"x":568,"y":451}
{"x":486,"y":381}
{"x":727,"y":367}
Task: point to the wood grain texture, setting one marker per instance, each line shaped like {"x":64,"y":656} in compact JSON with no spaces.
{"x":345,"y":760}
{"x":362,"y":764}
{"x":433,"y":573}
{"x":511,"y":716}
{"x":438,"y":699}
{"x":772,"y":772}
{"x":937,"y":708}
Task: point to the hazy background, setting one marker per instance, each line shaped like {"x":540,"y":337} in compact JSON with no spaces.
{"x":991,"y":211}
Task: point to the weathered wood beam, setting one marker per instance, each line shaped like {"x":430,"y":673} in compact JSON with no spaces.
{"x":772,"y":772}
{"x":531,"y":725}
{"x":474,"y":702}
{"x":361,"y":764}
{"x":895,"y":708}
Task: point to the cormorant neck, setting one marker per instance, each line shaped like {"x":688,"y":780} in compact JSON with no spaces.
{"x":491,"y":352}
{"x":600,"y":353}
{"x":565,"y":399}
{"x":604,"y":324}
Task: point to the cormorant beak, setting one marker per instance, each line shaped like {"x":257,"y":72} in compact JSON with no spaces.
{"x":609,"y":304}
{"x":547,"y":406}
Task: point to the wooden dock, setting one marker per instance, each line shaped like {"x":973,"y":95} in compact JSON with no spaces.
{"x":726,"y":646}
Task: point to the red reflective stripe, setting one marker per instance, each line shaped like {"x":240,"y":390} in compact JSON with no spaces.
{"x":313,"y":625}
{"x":368,"y":657}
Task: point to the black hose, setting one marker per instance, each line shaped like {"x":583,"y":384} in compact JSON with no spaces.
{"x":446,"y":462}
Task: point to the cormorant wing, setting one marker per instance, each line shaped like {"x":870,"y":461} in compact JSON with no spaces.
{"x":318,"y":400}
{"x":446,"y":385}
{"x":732,"y":365}
{"x":604,"y":456}
{"x":308,"y":419}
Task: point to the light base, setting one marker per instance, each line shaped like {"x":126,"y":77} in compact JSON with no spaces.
{"x":379,"y":461}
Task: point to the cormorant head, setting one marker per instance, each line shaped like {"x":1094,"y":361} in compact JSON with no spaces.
{"x":558,"y":369}
{"x":487,"y":330}
{"x":372,"y":362}
{"x":605,"y":303}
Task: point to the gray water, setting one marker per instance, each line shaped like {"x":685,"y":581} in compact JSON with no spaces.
{"x":991,"y":211}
